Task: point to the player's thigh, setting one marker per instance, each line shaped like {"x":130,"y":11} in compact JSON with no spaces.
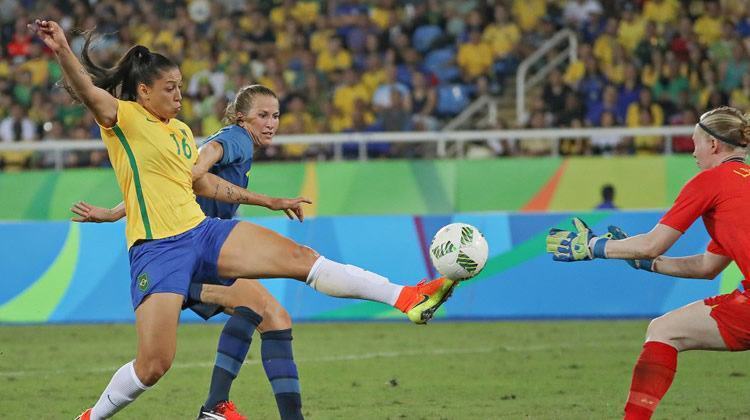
{"x":252,"y":251}
{"x":690,"y":327}
{"x":156,"y":320}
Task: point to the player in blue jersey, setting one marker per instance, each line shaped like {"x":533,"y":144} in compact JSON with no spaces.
{"x":228,"y":154}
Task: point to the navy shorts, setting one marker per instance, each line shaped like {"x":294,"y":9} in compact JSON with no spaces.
{"x":169,"y":265}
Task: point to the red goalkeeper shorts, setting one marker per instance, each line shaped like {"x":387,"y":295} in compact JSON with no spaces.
{"x":732,"y":314}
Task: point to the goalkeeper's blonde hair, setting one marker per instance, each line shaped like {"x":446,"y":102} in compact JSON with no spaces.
{"x":728,"y":123}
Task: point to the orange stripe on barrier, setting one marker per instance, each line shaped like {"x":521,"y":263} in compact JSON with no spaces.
{"x":540,"y":202}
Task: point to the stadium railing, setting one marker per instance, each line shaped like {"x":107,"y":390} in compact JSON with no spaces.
{"x":443,"y":140}
{"x":524,"y":81}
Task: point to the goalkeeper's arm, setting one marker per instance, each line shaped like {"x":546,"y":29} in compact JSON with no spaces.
{"x":645,"y":246}
{"x":701,"y":266}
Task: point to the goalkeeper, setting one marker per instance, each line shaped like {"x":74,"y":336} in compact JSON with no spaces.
{"x":720,"y":194}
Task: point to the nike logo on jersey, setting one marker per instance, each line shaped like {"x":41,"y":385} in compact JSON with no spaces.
{"x":150,"y":120}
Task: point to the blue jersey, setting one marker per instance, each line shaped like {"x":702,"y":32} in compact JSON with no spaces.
{"x":234,"y":167}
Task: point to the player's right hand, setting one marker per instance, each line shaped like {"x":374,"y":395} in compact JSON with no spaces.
{"x":618,"y":233}
{"x":50,"y":33}
{"x":571,"y":245}
{"x":88,"y":213}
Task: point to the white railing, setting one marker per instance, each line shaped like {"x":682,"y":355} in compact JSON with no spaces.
{"x":522,"y":84}
{"x":483,"y":102}
{"x":441,"y":139}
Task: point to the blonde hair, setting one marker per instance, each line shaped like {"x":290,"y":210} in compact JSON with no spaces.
{"x":728,"y":125}
{"x":243,"y":102}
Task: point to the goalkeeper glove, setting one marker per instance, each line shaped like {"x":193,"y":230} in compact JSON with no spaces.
{"x":579,"y":245}
{"x":618,"y":233}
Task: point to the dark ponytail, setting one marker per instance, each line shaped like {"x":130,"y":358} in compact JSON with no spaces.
{"x":138,"y":65}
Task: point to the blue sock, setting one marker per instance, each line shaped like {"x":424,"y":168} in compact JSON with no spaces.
{"x":234,"y":343}
{"x":278,"y":362}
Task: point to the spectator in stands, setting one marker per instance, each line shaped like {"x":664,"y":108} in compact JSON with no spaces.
{"x":608,"y":103}
{"x":708,"y":27}
{"x":631,"y":28}
{"x":734,"y":68}
{"x":603,"y":143}
{"x":502,"y":36}
{"x":608,"y":198}
{"x":635,"y":115}
{"x":17,"y":126}
{"x":474,"y":57}
{"x":647,"y":144}
{"x":334,"y":57}
{"x":684,"y":144}
{"x":574,"y":146}
{"x":663,"y":12}
{"x":573,"y":110}
{"x":740,"y":97}
{"x":397,"y":116}
{"x":424,"y":100}
{"x":296,"y":120}
{"x":555,"y":92}
{"x":535,"y":146}
{"x":578,"y":12}
{"x":382,"y":97}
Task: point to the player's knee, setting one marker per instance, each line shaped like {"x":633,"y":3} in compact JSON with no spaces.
{"x":150,"y":370}
{"x":658,"y":329}
{"x":305,"y":254}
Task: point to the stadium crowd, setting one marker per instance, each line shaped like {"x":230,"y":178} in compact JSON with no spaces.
{"x":387,"y":65}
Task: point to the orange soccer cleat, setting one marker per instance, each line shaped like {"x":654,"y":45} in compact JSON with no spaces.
{"x":420,"y":302}
{"x":86,"y":415}
{"x":225,"y":410}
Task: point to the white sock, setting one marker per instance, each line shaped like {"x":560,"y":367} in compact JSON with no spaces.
{"x":348,"y":281}
{"x":123,"y":389}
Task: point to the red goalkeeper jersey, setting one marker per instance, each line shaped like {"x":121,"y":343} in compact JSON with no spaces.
{"x":721,"y":196}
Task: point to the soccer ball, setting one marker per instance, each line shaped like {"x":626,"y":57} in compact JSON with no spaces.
{"x":458,"y":251}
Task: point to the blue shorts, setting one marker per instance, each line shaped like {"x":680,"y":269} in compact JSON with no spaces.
{"x":169,"y":265}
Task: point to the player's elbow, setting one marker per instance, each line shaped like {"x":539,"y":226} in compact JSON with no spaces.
{"x":197,"y":173}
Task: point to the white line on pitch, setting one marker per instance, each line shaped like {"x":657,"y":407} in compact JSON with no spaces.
{"x":324,"y":359}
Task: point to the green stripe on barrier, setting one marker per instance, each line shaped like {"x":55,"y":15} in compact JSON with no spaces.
{"x":37,"y":302}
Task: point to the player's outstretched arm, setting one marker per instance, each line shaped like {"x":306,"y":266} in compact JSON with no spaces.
{"x":216,"y":188}
{"x":97,"y":100}
{"x":88,"y":213}
{"x":645,"y":246}
{"x":701,"y":266}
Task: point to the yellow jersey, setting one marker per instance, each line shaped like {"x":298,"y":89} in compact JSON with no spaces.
{"x":153,"y":162}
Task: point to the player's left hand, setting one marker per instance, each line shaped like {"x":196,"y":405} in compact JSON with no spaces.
{"x":567,"y":246}
{"x":291,"y":206}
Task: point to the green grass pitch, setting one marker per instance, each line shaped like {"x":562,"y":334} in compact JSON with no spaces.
{"x":466,"y":370}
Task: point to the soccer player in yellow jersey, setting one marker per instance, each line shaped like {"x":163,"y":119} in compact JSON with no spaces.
{"x":170,"y":240}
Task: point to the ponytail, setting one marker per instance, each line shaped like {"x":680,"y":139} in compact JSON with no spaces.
{"x":138,"y":65}
{"x":728,"y":125}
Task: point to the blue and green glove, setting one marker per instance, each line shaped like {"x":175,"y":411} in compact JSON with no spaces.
{"x":579,"y":245}
{"x":618,"y":233}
